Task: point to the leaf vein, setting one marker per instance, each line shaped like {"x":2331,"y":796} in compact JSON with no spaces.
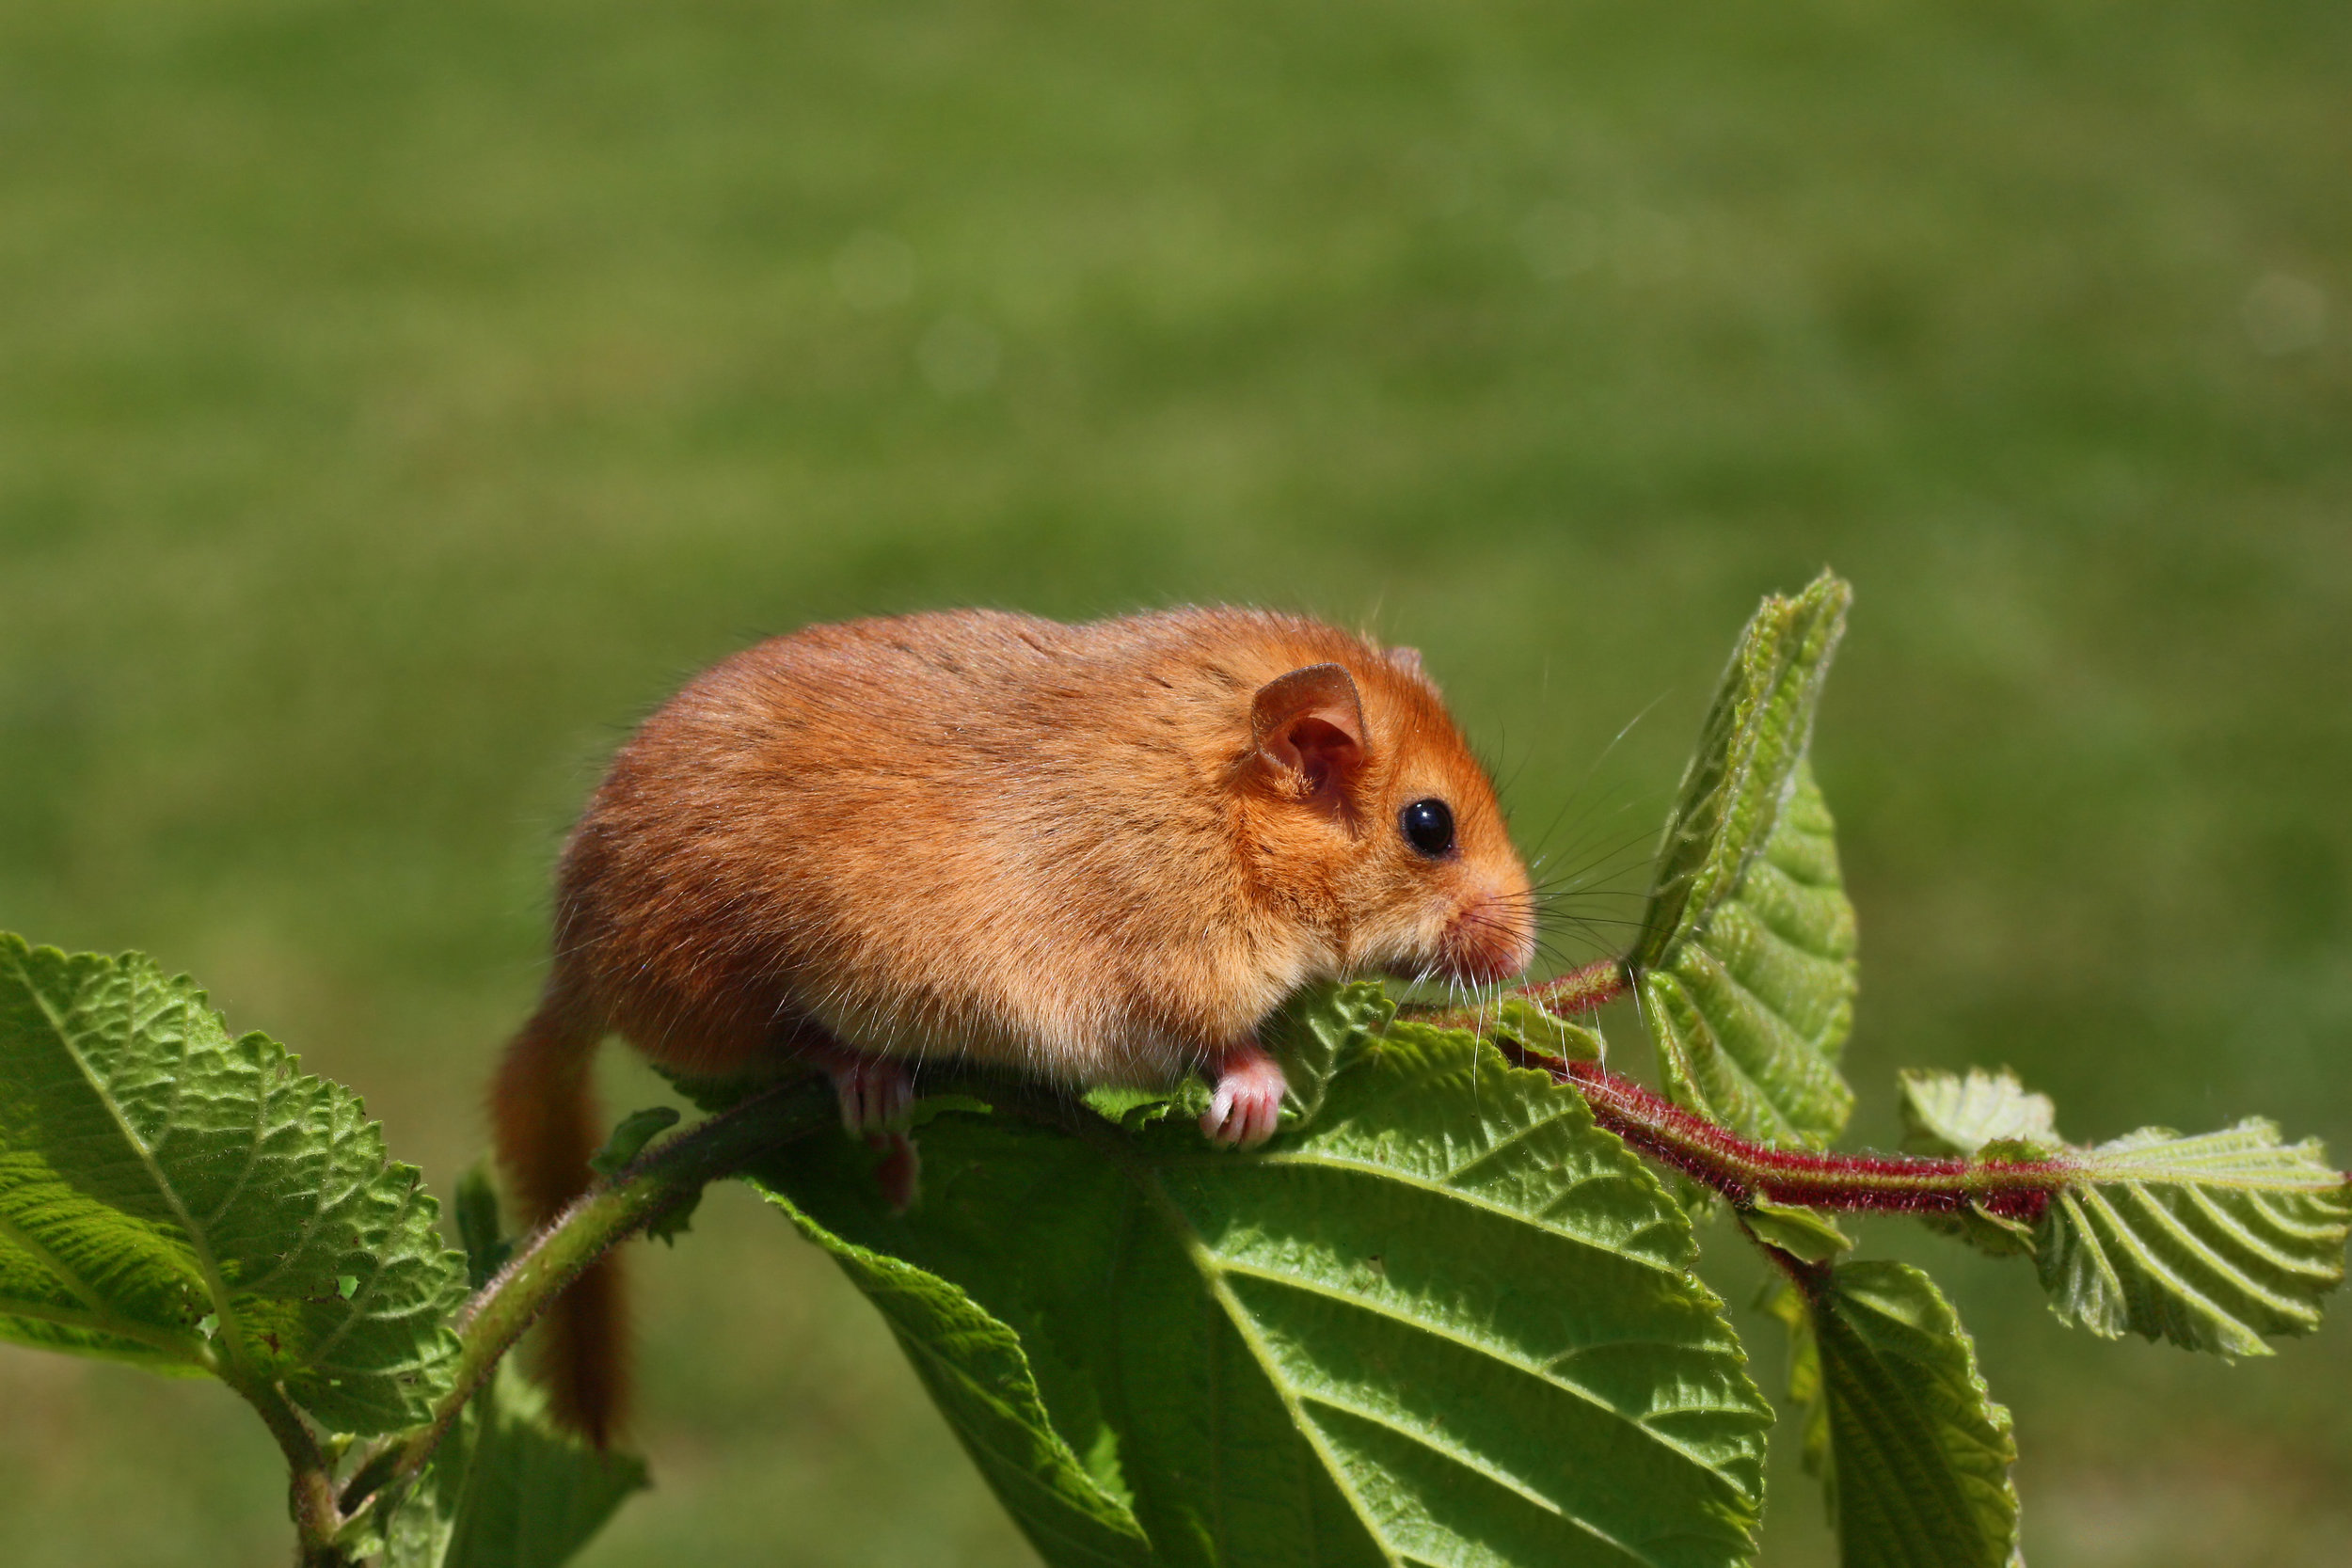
{"x":1492,"y":1353}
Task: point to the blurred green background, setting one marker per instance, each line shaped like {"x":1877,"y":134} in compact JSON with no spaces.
{"x":398,"y":398}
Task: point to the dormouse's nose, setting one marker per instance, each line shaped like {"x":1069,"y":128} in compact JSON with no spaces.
{"x":1491,"y":936}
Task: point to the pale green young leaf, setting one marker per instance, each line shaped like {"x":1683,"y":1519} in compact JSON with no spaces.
{"x":1982,"y":1115}
{"x":178,"y":1197}
{"x":1746,"y":955}
{"x":506,"y":1489}
{"x":1913,"y":1453}
{"x":2212,"y":1242}
{"x":1948,"y":1114}
{"x":2209,"y":1242}
{"x":1444,"y":1319}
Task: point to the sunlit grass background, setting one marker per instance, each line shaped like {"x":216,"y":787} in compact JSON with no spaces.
{"x":397,"y":399}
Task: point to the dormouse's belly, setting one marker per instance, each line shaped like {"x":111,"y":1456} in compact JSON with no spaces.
{"x":1074,"y":1045}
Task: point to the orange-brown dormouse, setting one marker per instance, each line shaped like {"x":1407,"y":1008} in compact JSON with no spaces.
{"x":1096,"y":854}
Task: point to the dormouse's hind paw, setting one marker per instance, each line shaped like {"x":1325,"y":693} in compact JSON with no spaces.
{"x":875,"y":1093}
{"x":1246,"y":1103}
{"x":899,"y":1173}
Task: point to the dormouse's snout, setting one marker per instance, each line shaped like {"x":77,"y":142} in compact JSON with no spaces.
{"x":1491,"y":938}
{"x":1488,"y":927}
{"x":1489,"y":933}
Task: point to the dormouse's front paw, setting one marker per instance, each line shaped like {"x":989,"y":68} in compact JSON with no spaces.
{"x":1246,"y":1103}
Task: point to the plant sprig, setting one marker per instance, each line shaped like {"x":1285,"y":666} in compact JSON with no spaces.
{"x":1445,"y":1313}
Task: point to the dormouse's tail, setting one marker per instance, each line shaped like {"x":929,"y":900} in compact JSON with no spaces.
{"x":544,"y":1116}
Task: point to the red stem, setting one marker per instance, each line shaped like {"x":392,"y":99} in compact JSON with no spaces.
{"x":1745,"y":1171}
{"x":1584,"y":990}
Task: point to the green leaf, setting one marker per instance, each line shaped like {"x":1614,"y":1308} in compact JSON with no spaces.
{"x":1787,"y":1303}
{"x":479,"y":1229}
{"x":1746,"y":957}
{"x":1913,"y":1453}
{"x":1514,"y":1018}
{"x":508,"y":1490}
{"x":176,"y":1197}
{"x":630,"y":1138}
{"x":1806,"y":1234}
{"x":1948,"y":1114}
{"x":975,"y":1369}
{"x":1441,"y":1317}
{"x":2211,"y":1242}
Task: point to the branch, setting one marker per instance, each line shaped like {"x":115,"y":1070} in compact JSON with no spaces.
{"x":1584,"y":990}
{"x":1744,"y":1171}
{"x":664,"y":1178}
{"x":1741,"y":1170}
{"x":311,"y":1482}
{"x":672,"y":1172}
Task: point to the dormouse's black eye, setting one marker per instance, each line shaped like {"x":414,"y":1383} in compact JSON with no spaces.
{"x":1427,"y":826}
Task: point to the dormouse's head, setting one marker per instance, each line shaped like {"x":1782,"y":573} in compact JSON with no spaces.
{"x":1373,"y":798}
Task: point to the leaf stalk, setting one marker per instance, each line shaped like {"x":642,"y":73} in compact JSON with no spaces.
{"x":310,"y":1481}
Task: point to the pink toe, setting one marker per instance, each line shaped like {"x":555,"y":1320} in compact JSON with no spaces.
{"x":1248,"y":1106}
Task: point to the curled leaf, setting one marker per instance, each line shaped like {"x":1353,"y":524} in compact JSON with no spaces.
{"x":1746,"y":955}
{"x":630,"y":1138}
{"x":1913,"y":1453}
{"x":2212,"y":1242}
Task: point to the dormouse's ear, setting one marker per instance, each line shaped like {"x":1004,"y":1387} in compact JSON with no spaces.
{"x":1310,"y":728}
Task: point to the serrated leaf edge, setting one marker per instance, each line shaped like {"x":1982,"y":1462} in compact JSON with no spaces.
{"x":17,"y":953}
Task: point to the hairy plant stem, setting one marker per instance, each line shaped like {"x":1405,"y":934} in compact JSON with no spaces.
{"x":667,"y":1176}
{"x":1582,"y":990}
{"x":1741,"y":1169}
{"x":310,"y":1481}
{"x":1745,"y":1171}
